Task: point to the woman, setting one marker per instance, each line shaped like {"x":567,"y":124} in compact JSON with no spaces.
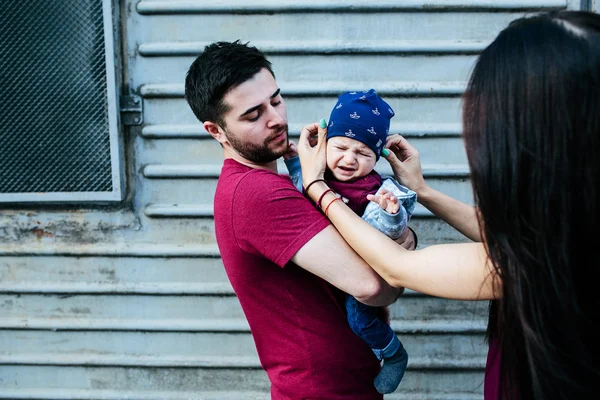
{"x":531,"y":118}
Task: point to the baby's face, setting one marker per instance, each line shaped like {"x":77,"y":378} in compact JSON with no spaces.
{"x":349,"y":159}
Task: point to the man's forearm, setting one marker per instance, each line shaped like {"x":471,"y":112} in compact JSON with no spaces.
{"x":385,"y":296}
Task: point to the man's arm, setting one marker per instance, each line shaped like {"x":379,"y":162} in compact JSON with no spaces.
{"x":328,"y":256}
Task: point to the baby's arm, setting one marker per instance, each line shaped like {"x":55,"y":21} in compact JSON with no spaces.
{"x":388,"y":223}
{"x":390,"y":209}
{"x":292,"y":162}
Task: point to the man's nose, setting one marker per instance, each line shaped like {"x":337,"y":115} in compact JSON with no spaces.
{"x":275,"y":117}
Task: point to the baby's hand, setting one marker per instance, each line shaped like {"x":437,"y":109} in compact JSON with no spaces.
{"x":292,"y":151}
{"x":386,"y":200}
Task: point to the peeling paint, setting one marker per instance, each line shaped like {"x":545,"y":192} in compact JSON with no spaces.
{"x":80,"y":310}
{"x":79,"y":227}
{"x":40,"y":233}
{"x":108,"y":273}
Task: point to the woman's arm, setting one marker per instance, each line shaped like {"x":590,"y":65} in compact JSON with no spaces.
{"x":405,"y":162}
{"x":457,"y":214}
{"x":456,"y":271}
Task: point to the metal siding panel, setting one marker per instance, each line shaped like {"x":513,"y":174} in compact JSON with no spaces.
{"x":433,"y":151}
{"x":174,"y":312}
{"x":184,"y":191}
{"x":318,"y":27}
{"x":355,"y":69}
{"x":148,"y":7}
{"x":186,"y":383}
{"x":201,"y":349}
{"x":409,"y":110}
{"x":72,"y":275}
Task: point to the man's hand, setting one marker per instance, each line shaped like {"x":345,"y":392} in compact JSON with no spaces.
{"x":386,"y":201}
{"x":407,"y":239}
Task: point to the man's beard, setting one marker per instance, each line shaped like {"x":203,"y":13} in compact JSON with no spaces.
{"x":259,"y":153}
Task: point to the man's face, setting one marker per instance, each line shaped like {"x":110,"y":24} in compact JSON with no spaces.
{"x":256,"y":123}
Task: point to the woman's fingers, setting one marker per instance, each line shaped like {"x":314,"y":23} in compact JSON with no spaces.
{"x":322,"y":136}
{"x":401,"y":147}
{"x":312,"y":151}
{"x":395,"y":163}
{"x":405,"y":162}
{"x":308,"y":135}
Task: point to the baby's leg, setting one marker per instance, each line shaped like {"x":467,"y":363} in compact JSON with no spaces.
{"x":380,"y":337}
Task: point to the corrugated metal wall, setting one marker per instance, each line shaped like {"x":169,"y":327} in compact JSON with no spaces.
{"x":132,"y":302}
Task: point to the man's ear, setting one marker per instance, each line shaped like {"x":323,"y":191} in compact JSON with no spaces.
{"x":215,"y":131}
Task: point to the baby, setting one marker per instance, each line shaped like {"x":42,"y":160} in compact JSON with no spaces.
{"x":356,"y":135}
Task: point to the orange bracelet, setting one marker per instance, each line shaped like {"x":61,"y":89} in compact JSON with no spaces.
{"x":330,"y":203}
{"x":323,"y":195}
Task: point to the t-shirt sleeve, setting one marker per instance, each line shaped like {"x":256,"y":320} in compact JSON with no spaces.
{"x":270,"y":218}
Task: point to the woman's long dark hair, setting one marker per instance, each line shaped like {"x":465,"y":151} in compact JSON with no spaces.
{"x":532,"y":133}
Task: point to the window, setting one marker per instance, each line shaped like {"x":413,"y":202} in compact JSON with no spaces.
{"x":58,"y":105}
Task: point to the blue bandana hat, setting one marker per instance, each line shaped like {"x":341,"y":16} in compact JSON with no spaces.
{"x":362,"y":116}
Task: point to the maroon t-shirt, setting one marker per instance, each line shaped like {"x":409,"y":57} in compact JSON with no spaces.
{"x":297,"y":319}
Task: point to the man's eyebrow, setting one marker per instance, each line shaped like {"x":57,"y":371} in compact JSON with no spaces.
{"x":252,"y":109}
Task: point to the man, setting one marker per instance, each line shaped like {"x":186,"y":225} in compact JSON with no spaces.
{"x":288,"y":266}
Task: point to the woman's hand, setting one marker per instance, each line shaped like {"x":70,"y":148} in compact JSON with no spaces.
{"x":405,"y":162}
{"x":312,"y":147}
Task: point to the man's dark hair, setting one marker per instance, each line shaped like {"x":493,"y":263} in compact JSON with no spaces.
{"x":221,"y":67}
